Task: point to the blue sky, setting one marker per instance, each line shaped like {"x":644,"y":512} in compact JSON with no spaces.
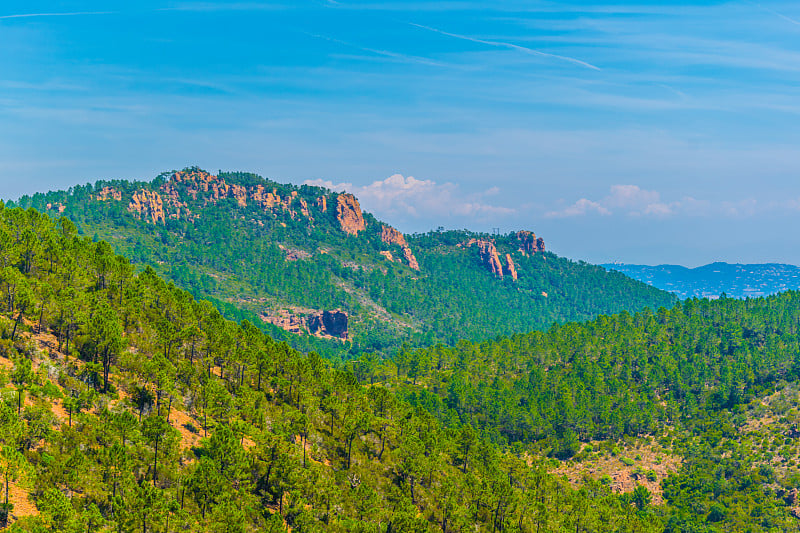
{"x":630,"y":131}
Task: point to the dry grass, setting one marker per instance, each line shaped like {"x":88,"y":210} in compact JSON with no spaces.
{"x":624,"y":478}
{"x":18,"y":496}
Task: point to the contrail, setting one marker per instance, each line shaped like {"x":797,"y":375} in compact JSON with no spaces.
{"x":28,"y":15}
{"x":385,"y":53}
{"x":512,"y":46}
{"x":776,"y":13}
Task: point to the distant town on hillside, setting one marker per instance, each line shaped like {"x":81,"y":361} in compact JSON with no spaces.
{"x":711,"y":281}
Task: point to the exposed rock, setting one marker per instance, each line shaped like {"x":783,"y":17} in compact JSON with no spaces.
{"x":348,"y":213}
{"x":529,"y":243}
{"x":489,"y":256}
{"x":294,"y":254}
{"x":108,"y":192}
{"x":304,"y":209}
{"x":387,"y":254}
{"x":147,"y":205}
{"x":512,"y":269}
{"x":59,"y":206}
{"x":240,"y":193}
{"x":288,"y":322}
{"x":410,"y":259}
{"x":389,"y":235}
{"x":330,"y":323}
{"x":322,"y":203}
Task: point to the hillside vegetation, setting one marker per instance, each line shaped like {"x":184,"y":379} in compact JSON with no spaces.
{"x":263,"y":250}
{"x":127,"y":405}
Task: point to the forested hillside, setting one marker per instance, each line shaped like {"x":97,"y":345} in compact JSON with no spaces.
{"x":127,"y":405}
{"x":280,"y":254}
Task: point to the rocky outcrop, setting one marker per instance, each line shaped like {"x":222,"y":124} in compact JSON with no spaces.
{"x":266,"y":199}
{"x":489,"y":256}
{"x":304,"y":209}
{"x":329,"y":323}
{"x":240,"y":193}
{"x":294,"y":254}
{"x":322,"y":203}
{"x":389,"y":235}
{"x":58,"y":206}
{"x":511,"y":267}
{"x":288,"y":322}
{"x":387,"y":254}
{"x":410,"y":259}
{"x":348,"y":213}
{"x":108,"y":193}
{"x":147,"y":205}
{"x":528,"y":242}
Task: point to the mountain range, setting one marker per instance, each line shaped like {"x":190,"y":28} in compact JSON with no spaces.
{"x":715,"y":279}
{"x":310,"y":267}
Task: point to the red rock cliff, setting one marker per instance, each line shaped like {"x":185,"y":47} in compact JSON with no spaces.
{"x":348,"y":213}
{"x":148,"y":205}
{"x":511,"y":267}
{"x":389,"y":235}
{"x":109,"y":192}
{"x":529,"y":243}
{"x":489,"y":256}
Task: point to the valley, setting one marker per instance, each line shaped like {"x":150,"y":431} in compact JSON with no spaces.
{"x":128,"y":405}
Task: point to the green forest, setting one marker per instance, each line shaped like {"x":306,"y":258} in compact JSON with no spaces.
{"x":236,"y":256}
{"x":129,"y":405}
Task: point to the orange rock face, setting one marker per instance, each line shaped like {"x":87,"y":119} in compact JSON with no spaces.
{"x":389,"y":235}
{"x":108,"y":192}
{"x":410,"y":259}
{"x":147,"y":205}
{"x":304,"y":209}
{"x":529,"y":243}
{"x":348,"y":213}
{"x":489,"y":257}
{"x":322,"y":203}
{"x":511,"y":267}
{"x":240,"y":193}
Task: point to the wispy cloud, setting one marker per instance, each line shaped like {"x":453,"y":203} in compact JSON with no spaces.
{"x":512,"y":46}
{"x":410,"y":197}
{"x":227,"y":6}
{"x":70,"y":14}
{"x":632,"y":200}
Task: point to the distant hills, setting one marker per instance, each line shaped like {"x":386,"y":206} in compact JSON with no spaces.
{"x":308,"y":266}
{"x":710,"y":281}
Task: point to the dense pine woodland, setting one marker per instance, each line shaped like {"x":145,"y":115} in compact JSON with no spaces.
{"x":128,"y":405}
{"x":236,"y":256}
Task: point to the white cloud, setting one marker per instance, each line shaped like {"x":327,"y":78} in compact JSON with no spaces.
{"x":581,"y":207}
{"x":632,"y":200}
{"x":408,"y":196}
{"x":630,"y":196}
